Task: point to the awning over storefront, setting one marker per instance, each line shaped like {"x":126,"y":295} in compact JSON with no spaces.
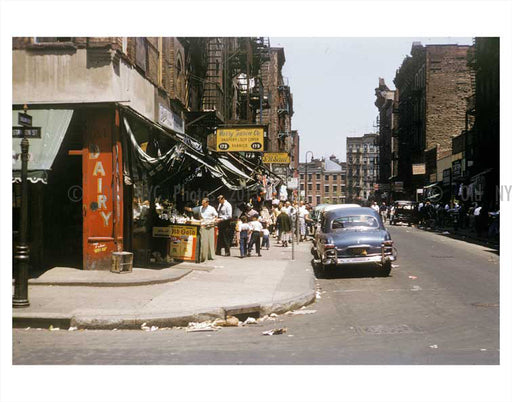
{"x":178,"y":146}
{"x":42,"y":151}
{"x":229,"y":166}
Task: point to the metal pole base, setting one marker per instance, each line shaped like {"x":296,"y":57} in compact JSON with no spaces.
{"x":17,"y":303}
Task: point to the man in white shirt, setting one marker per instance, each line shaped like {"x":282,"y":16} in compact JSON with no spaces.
{"x":256,"y":229}
{"x":303,"y":213}
{"x":225,"y":237}
{"x":208,"y":215}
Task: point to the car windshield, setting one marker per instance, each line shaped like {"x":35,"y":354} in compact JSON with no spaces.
{"x":355,"y":221}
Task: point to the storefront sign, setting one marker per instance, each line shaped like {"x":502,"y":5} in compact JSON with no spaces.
{"x":236,"y":139}
{"x":276,"y":157}
{"x":457,"y":169}
{"x":164,"y":232}
{"x":169,"y":119}
{"x":418,"y":168}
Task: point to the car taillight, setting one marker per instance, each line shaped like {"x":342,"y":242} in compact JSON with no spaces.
{"x":388,"y":243}
{"x":329,"y":246}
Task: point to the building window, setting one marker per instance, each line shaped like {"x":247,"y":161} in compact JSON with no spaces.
{"x":317,"y":199}
{"x":326,"y":177}
{"x":310,"y":199}
{"x":334,"y":177}
{"x":310,"y":177}
{"x":317,"y":186}
{"x":334,"y":189}
{"x":310,"y":187}
{"x":318,"y":176}
{"x":302,"y":186}
{"x":302,"y":176}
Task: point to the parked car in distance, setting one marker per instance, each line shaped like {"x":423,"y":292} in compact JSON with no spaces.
{"x":353,"y":236}
{"x":405,"y":212}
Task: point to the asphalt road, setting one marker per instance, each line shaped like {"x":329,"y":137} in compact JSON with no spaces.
{"x":440,"y":306}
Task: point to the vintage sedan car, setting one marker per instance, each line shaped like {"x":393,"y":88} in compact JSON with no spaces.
{"x":404,"y":212}
{"x":354,"y":236}
{"x":325,"y":208}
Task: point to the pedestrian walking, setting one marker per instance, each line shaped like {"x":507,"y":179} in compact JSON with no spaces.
{"x":244,"y":230}
{"x":284,"y":224}
{"x":225,"y":235}
{"x":256,"y":229}
{"x":383,"y":211}
{"x":303,"y":214}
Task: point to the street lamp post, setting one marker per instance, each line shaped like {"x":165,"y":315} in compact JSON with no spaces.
{"x":22,"y":253}
{"x":306,"y":176}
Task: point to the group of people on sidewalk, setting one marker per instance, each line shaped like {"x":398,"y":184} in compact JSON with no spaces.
{"x":473,"y":217}
{"x":250,"y":226}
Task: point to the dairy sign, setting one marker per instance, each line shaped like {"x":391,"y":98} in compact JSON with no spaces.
{"x":276,"y":157}
{"x":240,"y":139}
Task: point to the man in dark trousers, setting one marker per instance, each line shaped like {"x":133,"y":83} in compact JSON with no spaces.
{"x":225,"y":237}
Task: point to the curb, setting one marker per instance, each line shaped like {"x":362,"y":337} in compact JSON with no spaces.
{"x":158,"y":319}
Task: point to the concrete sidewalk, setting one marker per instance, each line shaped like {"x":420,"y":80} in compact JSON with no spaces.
{"x":174,"y":296}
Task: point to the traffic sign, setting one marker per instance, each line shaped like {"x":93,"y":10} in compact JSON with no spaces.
{"x":26,"y":132}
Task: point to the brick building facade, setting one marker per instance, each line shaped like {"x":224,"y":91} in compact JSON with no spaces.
{"x":278,"y":116}
{"x":433,"y":84}
{"x":362,"y":167}
{"x":324,"y":182}
{"x":387,"y":103}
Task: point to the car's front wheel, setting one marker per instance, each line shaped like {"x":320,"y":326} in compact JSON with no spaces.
{"x":386,"y":268}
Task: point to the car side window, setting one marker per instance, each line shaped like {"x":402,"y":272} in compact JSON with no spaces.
{"x":323,"y":223}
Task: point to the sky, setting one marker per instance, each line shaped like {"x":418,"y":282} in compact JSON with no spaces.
{"x":333,"y":83}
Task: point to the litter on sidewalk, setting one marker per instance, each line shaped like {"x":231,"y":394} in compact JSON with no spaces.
{"x":413,"y":277}
{"x":250,"y":320}
{"x":201,"y":326}
{"x":300,"y":312}
{"x":275,"y":331}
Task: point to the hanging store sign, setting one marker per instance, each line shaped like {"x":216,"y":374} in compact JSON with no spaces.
{"x":240,"y":139}
{"x":457,"y":168}
{"x":276,"y":157}
{"x":169,"y":119}
{"x":418,"y":168}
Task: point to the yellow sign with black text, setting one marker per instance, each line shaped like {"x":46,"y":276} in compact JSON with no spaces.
{"x":276,"y":157}
{"x":240,"y":139}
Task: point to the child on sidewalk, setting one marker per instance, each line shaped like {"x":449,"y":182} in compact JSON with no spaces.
{"x":266,"y":237}
{"x":244,"y":230}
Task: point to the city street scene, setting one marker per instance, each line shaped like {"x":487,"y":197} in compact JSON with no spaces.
{"x":212,"y":201}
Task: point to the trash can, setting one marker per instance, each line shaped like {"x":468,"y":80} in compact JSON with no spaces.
{"x":122,"y":262}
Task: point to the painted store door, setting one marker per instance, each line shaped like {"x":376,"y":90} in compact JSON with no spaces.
{"x":102,"y":189}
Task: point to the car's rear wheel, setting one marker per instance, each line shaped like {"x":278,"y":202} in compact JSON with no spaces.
{"x":386,"y":268}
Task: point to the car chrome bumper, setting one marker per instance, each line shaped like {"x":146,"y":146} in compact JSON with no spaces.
{"x":359,"y":260}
